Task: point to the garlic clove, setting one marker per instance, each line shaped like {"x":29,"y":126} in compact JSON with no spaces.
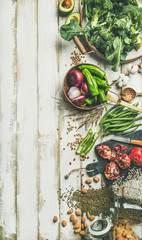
{"x":121,"y":75}
{"x":119,"y":80}
{"x":120,"y":84}
{"x":134,"y":69}
{"x":129,"y":67}
{"x":126,"y":78}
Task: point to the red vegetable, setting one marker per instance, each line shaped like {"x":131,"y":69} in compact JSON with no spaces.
{"x":79,"y":100}
{"x":124,"y":161}
{"x":84,"y":89}
{"x":118,"y":151}
{"x":75,"y":78}
{"x":104,"y":151}
{"x":136,"y":156}
{"x":111,"y":171}
{"x":73,"y":93}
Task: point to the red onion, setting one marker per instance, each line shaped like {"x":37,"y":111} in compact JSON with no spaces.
{"x":73,"y":93}
{"x":75,"y":78}
{"x":79,"y":100}
{"x":84,"y":89}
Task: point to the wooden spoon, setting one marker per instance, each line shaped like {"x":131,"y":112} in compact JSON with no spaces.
{"x":129,"y":94}
{"x":116,"y":100}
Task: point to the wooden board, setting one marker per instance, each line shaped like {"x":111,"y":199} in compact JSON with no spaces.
{"x":34,"y":132}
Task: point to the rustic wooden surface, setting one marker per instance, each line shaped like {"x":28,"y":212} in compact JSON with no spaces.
{"x":33,"y":62}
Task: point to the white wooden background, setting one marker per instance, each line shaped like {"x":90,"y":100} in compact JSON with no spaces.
{"x":32,"y":160}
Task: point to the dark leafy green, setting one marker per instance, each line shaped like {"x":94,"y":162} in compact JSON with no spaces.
{"x":68,"y":31}
{"x":113,"y":27}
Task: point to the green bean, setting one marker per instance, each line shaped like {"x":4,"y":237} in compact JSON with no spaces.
{"x":126,"y":132}
{"x":106,"y":114}
{"x":121,"y":129}
{"x":117,"y":119}
{"x":113,"y":113}
{"x":140,"y":124}
{"x":118,"y":125}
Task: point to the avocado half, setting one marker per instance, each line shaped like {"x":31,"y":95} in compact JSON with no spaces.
{"x":75,"y":16}
{"x":66,"y":6}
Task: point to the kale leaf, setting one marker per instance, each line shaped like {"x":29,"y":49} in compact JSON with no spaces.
{"x":68,"y":31}
{"x":113,"y":27}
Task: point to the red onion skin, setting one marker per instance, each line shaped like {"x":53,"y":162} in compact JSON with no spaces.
{"x":79,"y":100}
{"x":75,"y":78}
{"x":73,"y":92}
{"x":84,"y":89}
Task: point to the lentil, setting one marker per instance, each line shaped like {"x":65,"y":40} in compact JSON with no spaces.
{"x":95,"y":201}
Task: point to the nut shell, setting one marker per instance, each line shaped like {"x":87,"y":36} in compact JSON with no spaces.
{"x":83,"y":219}
{"x":82,"y":233}
{"x":88,"y":215}
{"x":75,"y":221}
{"x":70,"y":211}
{"x":92,"y":217}
{"x":78,"y":230}
{"x":88,"y":181}
{"x":64,"y":223}
{"x":72,"y":217}
{"x":55,"y":219}
{"x":76,"y":226}
{"x":78,"y":213}
{"x":84,"y":190}
{"x":96,"y":179}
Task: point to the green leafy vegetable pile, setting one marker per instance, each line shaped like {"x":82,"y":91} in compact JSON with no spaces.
{"x":113,"y":27}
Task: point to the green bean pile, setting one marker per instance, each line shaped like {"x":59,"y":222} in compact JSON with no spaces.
{"x":120,"y":120}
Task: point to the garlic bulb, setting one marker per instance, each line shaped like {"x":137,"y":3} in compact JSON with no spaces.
{"x":132,"y":68}
{"x":122,"y":80}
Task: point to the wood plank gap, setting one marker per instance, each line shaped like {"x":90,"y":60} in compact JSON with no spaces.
{"x":38,"y":135}
{"x":15,"y":88}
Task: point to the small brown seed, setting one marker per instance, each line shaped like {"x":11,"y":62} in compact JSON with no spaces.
{"x":83,"y":219}
{"x":75,"y":221}
{"x":72,"y":217}
{"x":55,"y":219}
{"x":88,"y":181}
{"x":84,"y":190}
{"x":76,"y":226}
{"x":82,"y":233}
{"x":64,"y":223}
{"x":70,"y":211}
{"x":78,"y":230}
{"x":96,"y":179}
{"x":78,"y":213}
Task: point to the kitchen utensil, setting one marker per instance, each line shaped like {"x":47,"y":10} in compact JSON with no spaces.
{"x":93,"y":50}
{"x":126,"y":140}
{"x":99,"y":228}
{"x":129,"y":94}
{"x":123,"y":103}
{"x":66,"y":88}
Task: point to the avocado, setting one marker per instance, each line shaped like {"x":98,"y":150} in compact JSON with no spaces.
{"x":75,"y":16}
{"x":66,"y":6}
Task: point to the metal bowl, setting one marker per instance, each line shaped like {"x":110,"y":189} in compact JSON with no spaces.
{"x":66,"y":88}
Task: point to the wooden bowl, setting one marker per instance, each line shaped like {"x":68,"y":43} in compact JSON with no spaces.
{"x":66,"y":88}
{"x":131,"y":58}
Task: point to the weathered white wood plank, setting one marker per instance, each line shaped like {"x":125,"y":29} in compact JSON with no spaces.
{"x":27,"y":147}
{"x":7,"y":120}
{"x":67,"y":155}
{"x":49,"y":142}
